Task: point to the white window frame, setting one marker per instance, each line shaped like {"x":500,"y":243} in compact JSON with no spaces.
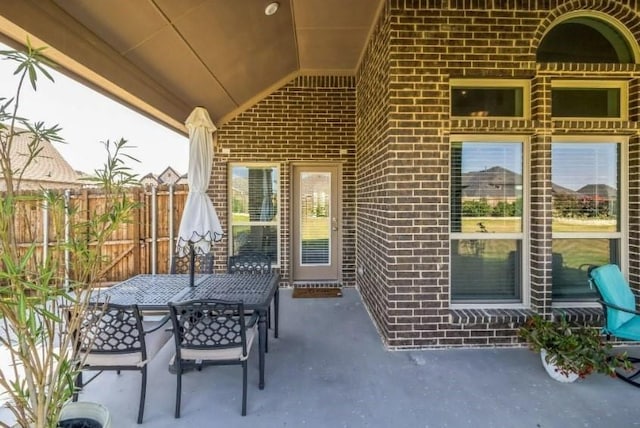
{"x":623,"y":233}
{"x":523,"y":236}
{"x":523,"y":84}
{"x":622,"y":85}
{"x":276,"y":218}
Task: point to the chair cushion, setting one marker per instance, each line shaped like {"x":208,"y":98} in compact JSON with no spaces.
{"x":154,"y":341}
{"x":614,"y":290}
{"x":629,"y":330}
{"x":221,"y":354}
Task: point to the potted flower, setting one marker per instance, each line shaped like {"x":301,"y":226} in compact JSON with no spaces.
{"x":570,"y":352}
{"x":42,"y":293}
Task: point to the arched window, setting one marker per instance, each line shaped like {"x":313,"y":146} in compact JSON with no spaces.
{"x":585,"y":39}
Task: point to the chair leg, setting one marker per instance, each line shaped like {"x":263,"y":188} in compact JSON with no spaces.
{"x":143,"y":392}
{"x":266,"y":336}
{"x":276,"y":311}
{"x":178,"y":388}
{"x":631,"y":378}
{"x":244,"y":388}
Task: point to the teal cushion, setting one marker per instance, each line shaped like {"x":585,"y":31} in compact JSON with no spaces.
{"x":614,"y":290}
{"x":629,"y":330}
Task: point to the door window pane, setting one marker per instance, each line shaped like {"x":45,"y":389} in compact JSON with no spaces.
{"x":315,"y":218}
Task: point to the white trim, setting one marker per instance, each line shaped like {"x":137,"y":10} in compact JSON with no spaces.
{"x":522,"y":236}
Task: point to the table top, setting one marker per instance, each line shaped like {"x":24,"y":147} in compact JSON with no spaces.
{"x":153,"y":292}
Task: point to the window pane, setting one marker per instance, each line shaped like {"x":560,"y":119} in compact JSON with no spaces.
{"x":485,"y":101}
{"x":486,"y":187}
{"x":571,"y":259}
{"x":584,"y":39}
{"x":260,"y":239}
{"x":585,"y":187}
{"x":485,"y":270}
{"x":585,"y":102}
{"x":315,"y":215}
{"x":254,"y":210}
{"x":254,"y":194}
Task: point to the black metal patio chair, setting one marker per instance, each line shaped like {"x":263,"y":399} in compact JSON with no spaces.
{"x":257,"y":264}
{"x":181,"y":264}
{"x":211,"y":332}
{"x":115,"y":337}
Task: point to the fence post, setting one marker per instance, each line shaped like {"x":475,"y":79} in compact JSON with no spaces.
{"x":136,"y":233}
{"x":45,"y":228}
{"x":67,"y":237}
{"x":171,"y":235}
{"x":154,"y":229}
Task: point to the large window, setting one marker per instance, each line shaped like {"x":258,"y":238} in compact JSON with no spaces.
{"x":586,"y":226}
{"x":254,"y":196}
{"x":487,"y":223}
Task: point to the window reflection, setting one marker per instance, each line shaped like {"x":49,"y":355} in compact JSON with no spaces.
{"x":486,"y":205}
{"x":254,"y":210}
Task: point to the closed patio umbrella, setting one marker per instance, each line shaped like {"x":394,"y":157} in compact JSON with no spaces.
{"x":199,"y":225}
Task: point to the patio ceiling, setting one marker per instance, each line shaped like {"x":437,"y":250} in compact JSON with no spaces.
{"x":165,"y":57}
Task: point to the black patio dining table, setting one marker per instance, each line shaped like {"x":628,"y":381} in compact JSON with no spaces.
{"x":153,"y":293}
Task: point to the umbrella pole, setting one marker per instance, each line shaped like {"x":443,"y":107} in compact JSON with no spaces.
{"x":192,"y":264}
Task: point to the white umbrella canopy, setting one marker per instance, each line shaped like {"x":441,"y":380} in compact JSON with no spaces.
{"x":199,"y":226}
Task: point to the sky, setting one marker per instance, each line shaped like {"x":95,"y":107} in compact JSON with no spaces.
{"x":88,"y":117}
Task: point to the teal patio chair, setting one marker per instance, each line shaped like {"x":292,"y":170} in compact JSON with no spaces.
{"x":622,"y":319}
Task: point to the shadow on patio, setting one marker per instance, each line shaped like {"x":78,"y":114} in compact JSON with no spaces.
{"x":330,"y":369}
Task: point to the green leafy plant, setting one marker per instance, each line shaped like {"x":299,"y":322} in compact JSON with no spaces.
{"x":45,"y":289}
{"x":572,"y":349}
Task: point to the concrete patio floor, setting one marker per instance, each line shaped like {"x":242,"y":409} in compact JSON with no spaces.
{"x":330,"y":369}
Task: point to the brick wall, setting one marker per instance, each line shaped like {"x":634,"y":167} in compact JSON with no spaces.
{"x":403,"y":130}
{"x":372,"y":165}
{"x":311,"y":119}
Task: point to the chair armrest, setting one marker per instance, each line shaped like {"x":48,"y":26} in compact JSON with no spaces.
{"x":162,"y":322}
{"x":618,"y":308}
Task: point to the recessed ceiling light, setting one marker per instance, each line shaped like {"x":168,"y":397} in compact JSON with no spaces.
{"x":271,"y":8}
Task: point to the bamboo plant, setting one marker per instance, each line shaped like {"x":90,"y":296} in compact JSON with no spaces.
{"x":43,"y":289}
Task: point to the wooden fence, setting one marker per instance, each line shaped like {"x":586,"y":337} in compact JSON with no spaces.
{"x":143,"y":246}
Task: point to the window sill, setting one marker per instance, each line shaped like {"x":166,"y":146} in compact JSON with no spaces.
{"x":489,"y":316}
{"x":589,"y":316}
